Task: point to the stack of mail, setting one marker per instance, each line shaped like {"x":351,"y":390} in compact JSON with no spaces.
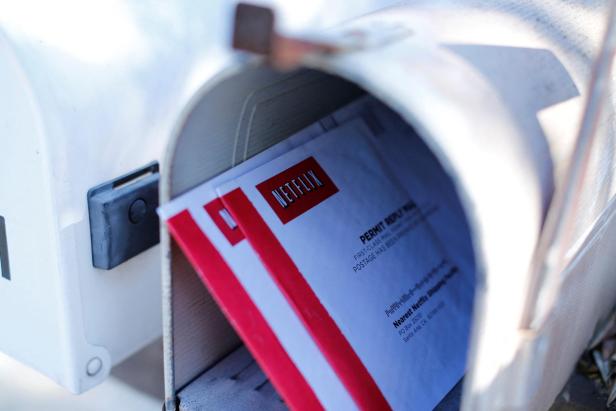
{"x":342,"y":258}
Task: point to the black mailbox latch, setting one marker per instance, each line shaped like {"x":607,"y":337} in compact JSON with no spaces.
{"x":123,"y":219}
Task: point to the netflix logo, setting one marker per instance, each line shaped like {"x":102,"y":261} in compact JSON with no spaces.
{"x":297,"y":189}
{"x":299,"y":186}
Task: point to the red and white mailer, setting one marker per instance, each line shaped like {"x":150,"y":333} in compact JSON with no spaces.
{"x":248,"y":296}
{"x":358,"y":262}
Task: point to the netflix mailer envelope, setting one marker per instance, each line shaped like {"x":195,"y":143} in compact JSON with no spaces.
{"x":359,"y":263}
{"x":253,"y":303}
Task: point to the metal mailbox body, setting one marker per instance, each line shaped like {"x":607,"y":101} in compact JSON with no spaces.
{"x":496,"y":90}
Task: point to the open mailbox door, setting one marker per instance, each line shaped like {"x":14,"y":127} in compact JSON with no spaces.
{"x":495,"y":94}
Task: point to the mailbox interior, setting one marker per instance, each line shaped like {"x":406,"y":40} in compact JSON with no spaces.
{"x":230,"y":121}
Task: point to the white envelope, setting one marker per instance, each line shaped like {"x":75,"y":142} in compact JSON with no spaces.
{"x":351,"y":250}
{"x":252,"y":276}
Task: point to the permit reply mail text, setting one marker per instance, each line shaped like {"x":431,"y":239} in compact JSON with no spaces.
{"x":394,"y":348}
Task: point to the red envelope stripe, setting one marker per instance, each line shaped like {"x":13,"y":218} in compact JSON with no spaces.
{"x":324,"y":330}
{"x":242,"y":313}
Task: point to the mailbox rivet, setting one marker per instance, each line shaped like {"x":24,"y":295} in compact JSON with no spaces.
{"x":95,"y":365}
{"x":137,"y":211}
